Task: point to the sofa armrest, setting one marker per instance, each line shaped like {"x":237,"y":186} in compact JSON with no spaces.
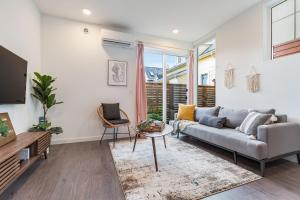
{"x":281,"y":138}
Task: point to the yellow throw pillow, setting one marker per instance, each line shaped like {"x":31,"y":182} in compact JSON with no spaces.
{"x":186,"y":112}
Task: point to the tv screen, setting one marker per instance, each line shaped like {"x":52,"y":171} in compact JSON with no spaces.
{"x":13,"y":72}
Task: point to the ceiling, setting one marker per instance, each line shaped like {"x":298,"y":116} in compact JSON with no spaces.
{"x":193,"y":18}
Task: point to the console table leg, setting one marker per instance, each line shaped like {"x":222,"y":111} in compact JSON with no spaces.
{"x":154,"y":153}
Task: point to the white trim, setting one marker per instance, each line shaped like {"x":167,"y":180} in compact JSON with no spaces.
{"x":164,"y":101}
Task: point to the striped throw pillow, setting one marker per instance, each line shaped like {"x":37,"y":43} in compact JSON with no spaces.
{"x":252,"y":121}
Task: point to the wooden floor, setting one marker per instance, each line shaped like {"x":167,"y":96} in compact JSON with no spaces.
{"x":85,"y":171}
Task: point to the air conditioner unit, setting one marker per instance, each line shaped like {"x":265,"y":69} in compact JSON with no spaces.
{"x":116,"y":43}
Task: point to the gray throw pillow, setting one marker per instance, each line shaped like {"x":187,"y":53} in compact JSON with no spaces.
{"x":252,"y":122}
{"x":111,"y":111}
{"x":212,"y":121}
{"x":201,"y":111}
{"x":234,"y":118}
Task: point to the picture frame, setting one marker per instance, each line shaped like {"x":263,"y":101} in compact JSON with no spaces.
{"x":117,"y":73}
{"x":11,"y":132}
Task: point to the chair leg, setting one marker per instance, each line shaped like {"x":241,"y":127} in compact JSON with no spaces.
{"x":262,"y":167}
{"x":103,"y":135}
{"x":114,"y":137}
{"x":129,"y":133}
{"x":298,"y":158}
{"x":117,"y":130}
{"x":165,"y":142}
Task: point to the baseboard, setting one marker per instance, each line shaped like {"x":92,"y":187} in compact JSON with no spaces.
{"x":82,"y":139}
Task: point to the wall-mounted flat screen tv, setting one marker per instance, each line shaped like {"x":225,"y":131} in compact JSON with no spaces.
{"x":13,"y":73}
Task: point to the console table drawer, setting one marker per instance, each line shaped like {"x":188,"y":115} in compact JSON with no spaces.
{"x":43,"y":143}
{"x":8,"y":169}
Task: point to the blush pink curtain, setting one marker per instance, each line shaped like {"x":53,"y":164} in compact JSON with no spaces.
{"x":191,"y":78}
{"x":141,"y":94}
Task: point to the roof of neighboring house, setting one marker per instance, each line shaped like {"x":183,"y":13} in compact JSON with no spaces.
{"x":153,"y":73}
{"x":210,"y":49}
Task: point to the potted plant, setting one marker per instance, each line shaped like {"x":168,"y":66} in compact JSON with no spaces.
{"x":43,"y":91}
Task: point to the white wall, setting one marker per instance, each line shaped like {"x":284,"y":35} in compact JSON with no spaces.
{"x":241,"y":43}
{"x":79,"y":62}
{"x":20,"y":33}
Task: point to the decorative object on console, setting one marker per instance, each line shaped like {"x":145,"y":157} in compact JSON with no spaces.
{"x":24,"y":154}
{"x":43,"y":92}
{"x":229,"y":77}
{"x":253,"y":81}
{"x":7,"y":133}
{"x":117,"y":73}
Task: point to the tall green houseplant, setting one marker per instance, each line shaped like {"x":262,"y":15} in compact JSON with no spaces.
{"x":43,"y":91}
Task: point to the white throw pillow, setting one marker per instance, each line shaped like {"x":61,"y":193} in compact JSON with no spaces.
{"x":252,"y":121}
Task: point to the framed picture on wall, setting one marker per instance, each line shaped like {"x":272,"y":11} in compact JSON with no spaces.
{"x":117,"y":73}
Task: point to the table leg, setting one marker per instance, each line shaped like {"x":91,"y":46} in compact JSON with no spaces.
{"x":135,"y":138}
{"x":165,"y":141}
{"x":154,"y":153}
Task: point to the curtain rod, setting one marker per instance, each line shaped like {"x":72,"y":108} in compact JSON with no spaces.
{"x":154,"y":45}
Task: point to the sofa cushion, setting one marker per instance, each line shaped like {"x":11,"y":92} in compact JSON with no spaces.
{"x":271,"y":111}
{"x":111,"y":111}
{"x":229,"y":139}
{"x":201,"y":111}
{"x":252,"y":121}
{"x":186,"y":112}
{"x":234,"y":118}
{"x":212,"y":121}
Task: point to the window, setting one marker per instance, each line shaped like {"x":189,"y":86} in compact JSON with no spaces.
{"x":166,"y":83}
{"x":206,"y":77}
{"x":285,"y":28}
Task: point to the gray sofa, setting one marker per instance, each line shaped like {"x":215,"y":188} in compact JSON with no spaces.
{"x":273,"y":141}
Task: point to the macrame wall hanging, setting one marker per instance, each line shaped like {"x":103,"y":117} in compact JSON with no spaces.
{"x":229,"y":77}
{"x":253,"y":81}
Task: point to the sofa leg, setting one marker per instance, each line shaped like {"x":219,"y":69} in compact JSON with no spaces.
{"x":235,"y":157}
{"x":262,"y":167}
{"x":298,"y":158}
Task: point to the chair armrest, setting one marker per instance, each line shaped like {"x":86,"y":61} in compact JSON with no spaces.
{"x":281,"y":138}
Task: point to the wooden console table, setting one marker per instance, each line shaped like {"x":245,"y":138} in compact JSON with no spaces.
{"x":11,"y":167}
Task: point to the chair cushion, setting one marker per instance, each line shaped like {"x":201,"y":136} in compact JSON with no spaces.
{"x":201,"y":111}
{"x":234,"y":118}
{"x":118,"y":121}
{"x":212,"y":121}
{"x":111,"y":111}
{"x":186,"y":112}
{"x":229,"y":139}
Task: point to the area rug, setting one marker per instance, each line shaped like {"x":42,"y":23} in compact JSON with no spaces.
{"x":185,"y":172}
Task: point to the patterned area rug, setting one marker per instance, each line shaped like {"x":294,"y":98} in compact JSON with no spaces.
{"x":185,"y":171}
